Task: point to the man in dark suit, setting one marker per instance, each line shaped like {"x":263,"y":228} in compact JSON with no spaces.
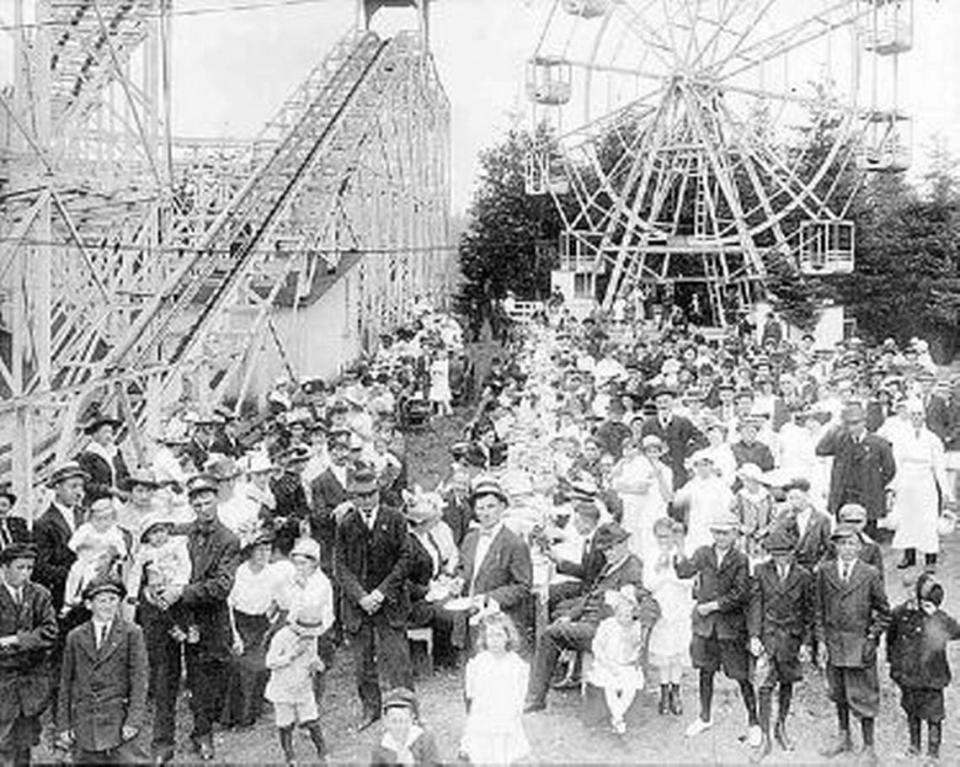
{"x":214,"y":558}
{"x":749,"y":449}
{"x":851,"y":613}
{"x":327,"y":492}
{"x":779,"y":623}
{"x":227,"y":442}
{"x":103,"y":683}
{"x":292,"y":510}
{"x":12,"y":529}
{"x":586,"y":516}
{"x":494,"y":561}
{"x":679,"y":434}
{"x":575,"y":629}
{"x":809,"y":526}
{"x":863,"y":466}
{"x":54,"y":528}
{"x":28,"y":631}
{"x":102,"y":459}
{"x":372,"y":562}
{"x":720,"y":620}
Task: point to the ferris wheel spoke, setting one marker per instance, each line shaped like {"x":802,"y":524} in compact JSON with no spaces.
{"x":778,"y":45}
{"x":777,"y":96}
{"x":648,"y":35}
{"x":722,"y":26}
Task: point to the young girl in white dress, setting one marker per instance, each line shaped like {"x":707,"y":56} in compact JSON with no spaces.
{"x":496,"y":682}
{"x":670,"y":636}
{"x":617,"y":648}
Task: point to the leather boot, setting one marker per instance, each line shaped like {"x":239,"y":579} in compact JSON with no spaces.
{"x":664,"y":704}
{"x":316,"y":735}
{"x":780,"y":735}
{"x":286,"y":744}
{"x":764,"y":711}
{"x":913,"y":725}
{"x":909,"y":559}
{"x":676,"y":702}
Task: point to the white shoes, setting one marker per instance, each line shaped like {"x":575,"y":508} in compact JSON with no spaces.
{"x":619,"y":726}
{"x":754,"y":736}
{"x":697,"y":726}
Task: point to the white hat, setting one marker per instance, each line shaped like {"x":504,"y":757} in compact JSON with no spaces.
{"x":257,"y":462}
{"x":700,"y":456}
{"x":750,"y":471}
{"x":724,"y":520}
{"x":306,"y":547}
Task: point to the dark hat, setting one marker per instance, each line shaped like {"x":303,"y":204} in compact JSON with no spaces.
{"x":487,"y":486}
{"x":587,"y":510}
{"x":98,"y":420}
{"x":400,"y":697}
{"x":664,"y":391}
{"x":844,"y":530}
{"x":262,"y":537}
{"x":104,"y":584}
{"x":797,"y":483}
{"x":17,"y":551}
{"x":224,"y":413}
{"x":779,"y":541}
{"x":362,"y":481}
{"x":928,"y":590}
{"x":222,"y":468}
{"x":609,"y":535}
{"x":313,"y":386}
{"x":141,"y":477}
{"x":68,"y":470}
{"x":7,"y":492}
{"x":201,"y":483}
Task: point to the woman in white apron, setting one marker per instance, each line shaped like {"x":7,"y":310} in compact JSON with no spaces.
{"x":919,"y":485}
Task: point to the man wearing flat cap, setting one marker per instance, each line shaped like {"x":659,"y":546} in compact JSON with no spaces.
{"x":494,"y":561}
{"x":863,"y":466}
{"x":214,"y":558}
{"x":372,"y":561}
{"x":28,"y":632}
{"x":851,"y":613}
{"x":103,"y":682}
{"x":576,"y":627}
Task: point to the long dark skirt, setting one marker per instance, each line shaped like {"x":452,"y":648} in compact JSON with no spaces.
{"x":247,"y":673}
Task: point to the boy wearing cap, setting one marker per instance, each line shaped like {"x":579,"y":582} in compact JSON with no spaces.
{"x":404,"y":739}
{"x":780,"y":625}
{"x":720,"y":620}
{"x":917,"y":651}
{"x":851,"y":613}
{"x":855,"y":515}
{"x":28,"y":632}
{"x":103,"y":682}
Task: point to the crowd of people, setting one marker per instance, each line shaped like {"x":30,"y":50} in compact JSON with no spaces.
{"x":628,"y":501}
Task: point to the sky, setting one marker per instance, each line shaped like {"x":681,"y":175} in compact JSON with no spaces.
{"x":231,"y":70}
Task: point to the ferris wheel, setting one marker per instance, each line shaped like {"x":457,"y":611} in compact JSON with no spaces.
{"x":690,"y":141}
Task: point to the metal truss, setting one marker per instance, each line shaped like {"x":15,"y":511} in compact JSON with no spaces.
{"x":134,"y":266}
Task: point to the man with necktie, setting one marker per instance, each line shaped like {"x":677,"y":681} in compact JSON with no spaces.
{"x":851,"y":613}
{"x":12,"y":529}
{"x":54,"y":528}
{"x":372,"y":561}
{"x":28,"y":632}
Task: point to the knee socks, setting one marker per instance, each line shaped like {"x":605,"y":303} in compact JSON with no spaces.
{"x":286,"y":742}
{"x":706,"y":694}
{"x":316,"y":735}
{"x":866,"y":726}
{"x":843,"y":718}
{"x":749,"y":700}
{"x":783,"y":701}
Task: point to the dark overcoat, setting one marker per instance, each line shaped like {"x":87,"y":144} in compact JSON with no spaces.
{"x":781,"y":611}
{"x":861,"y":471}
{"x":25,"y":675}
{"x":214,"y":558}
{"x":51,"y":534}
{"x":850,"y":617}
{"x":101,"y":690}
{"x":368,"y":560}
{"x":917,"y":647}
{"x":728,"y":585}
{"x":103,"y":479}
{"x":682,"y":439}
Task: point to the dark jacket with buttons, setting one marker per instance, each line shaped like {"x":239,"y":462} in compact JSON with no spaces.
{"x":728,"y":585}
{"x":917,"y":647}
{"x":24,"y":670}
{"x":781,"y":611}
{"x":103,"y":689}
{"x":850,"y":616}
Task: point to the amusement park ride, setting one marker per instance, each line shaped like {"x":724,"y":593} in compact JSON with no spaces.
{"x":691,"y":141}
{"x":137,"y":269}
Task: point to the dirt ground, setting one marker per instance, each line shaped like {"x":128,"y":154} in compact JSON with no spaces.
{"x":558,"y":736}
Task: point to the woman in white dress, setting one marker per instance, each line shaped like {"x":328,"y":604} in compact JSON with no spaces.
{"x":701,"y":498}
{"x":440,"y":394}
{"x":919,"y":486}
{"x":724,"y":461}
{"x":645,"y":485}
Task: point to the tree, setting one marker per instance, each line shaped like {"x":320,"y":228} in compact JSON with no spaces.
{"x":499,"y":251}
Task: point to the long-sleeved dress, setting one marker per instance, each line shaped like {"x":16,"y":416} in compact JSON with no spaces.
{"x":495,"y":687}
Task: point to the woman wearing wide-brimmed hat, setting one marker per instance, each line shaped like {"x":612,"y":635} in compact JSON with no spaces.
{"x":102,"y":459}
{"x":12,"y":529}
